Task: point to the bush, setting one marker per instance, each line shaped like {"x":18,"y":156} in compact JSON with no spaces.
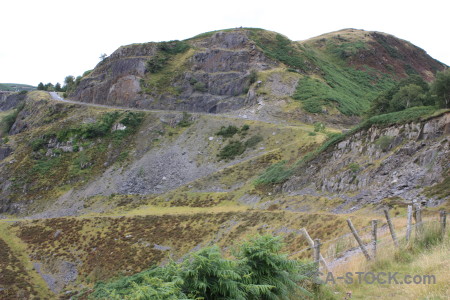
{"x":232,"y":150}
{"x":354,"y":167}
{"x":253,"y":77}
{"x":37,"y":144}
{"x":173,"y":47}
{"x":253,"y":141}
{"x":227,"y":132}
{"x":319,"y":127}
{"x":156,"y":63}
{"x":384,"y":142}
{"x":186,"y":120}
{"x":200,"y":87}
{"x":132,"y":119}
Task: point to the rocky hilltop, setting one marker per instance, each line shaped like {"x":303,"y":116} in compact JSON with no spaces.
{"x":227,"y":70}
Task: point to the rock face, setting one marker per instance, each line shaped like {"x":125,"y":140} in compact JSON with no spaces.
{"x":215,"y":76}
{"x":10,"y":100}
{"x":377,"y":163}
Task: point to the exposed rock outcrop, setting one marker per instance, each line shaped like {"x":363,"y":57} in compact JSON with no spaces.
{"x":10,"y":100}
{"x":397,"y":161}
{"x":221,"y":65}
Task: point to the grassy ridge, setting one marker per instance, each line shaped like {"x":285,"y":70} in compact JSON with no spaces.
{"x":16,"y":87}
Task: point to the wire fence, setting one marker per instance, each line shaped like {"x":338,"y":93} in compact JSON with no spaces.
{"x":346,"y":245}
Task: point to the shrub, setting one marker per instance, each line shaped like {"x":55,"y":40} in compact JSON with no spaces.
{"x":232,"y":150}
{"x":384,"y":142}
{"x":253,"y":77}
{"x":245,"y":127}
{"x":37,"y":144}
{"x":156,"y":63}
{"x":253,"y":141}
{"x":354,"y":167}
{"x":319,"y":127}
{"x":186,"y":120}
{"x":227,"y":132}
{"x":173,"y":47}
{"x":200,"y":87}
{"x":132,"y":119}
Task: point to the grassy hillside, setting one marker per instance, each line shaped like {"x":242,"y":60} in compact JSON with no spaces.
{"x":16,"y":87}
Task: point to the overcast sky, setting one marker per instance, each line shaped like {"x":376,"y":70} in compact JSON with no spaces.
{"x":47,"y":40}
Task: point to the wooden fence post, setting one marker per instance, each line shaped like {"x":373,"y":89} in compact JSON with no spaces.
{"x":409,"y":224}
{"x":418,"y":217}
{"x":317,"y":258}
{"x":311,"y":244}
{"x":317,"y":253}
{"x":358,"y":239}
{"x":443,"y":221}
{"x":391,"y":227}
{"x":374,"y":238}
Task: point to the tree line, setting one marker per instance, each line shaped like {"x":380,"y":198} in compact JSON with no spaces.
{"x":414,"y":91}
{"x":70,"y":84}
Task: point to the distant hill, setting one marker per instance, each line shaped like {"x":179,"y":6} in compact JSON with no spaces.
{"x":16,"y":87}
{"x":337,"y":73}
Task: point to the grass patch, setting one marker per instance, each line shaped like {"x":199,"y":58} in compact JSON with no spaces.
{"x":275,"y":174}
{"x":278,"y":47}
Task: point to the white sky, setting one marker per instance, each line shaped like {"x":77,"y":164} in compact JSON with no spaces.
{"x":46,"y":40}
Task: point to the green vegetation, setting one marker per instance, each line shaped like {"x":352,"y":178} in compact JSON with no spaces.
{"x":8,"y":120}
{"x":102,"y":127}
{"x":278,"y":47}
{"x":164,"y":53}
{"x":231,"y":150}
{"x":354,"y":167}
{"x":253,"y":141}
{"x":231,"y":130}
{"x":186,"y":121}
{"x":441,"y":88}
{"x":16,"y":87}
{"x":349,"y":89}
{"x":258,"y":271}
{"x":345,"y":50}
{"x":275,"y":174}
{"x":236,"y":148}
{"x":384,"y":142}
{"x":227,"y":132}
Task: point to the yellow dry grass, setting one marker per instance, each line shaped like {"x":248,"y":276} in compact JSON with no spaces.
{"x":409,"y":259}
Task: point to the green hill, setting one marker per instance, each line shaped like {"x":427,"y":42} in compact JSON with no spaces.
{"x":16,"y":87}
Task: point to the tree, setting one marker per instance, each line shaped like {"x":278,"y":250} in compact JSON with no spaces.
{"x":408,"y":96}
{"x":69,"y":82}
{"x":48,"y":87}
{"x":40,"y":86}
{"x":103,"y":56}
{"x":441,"y":88}
{"x":58,"y":87}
